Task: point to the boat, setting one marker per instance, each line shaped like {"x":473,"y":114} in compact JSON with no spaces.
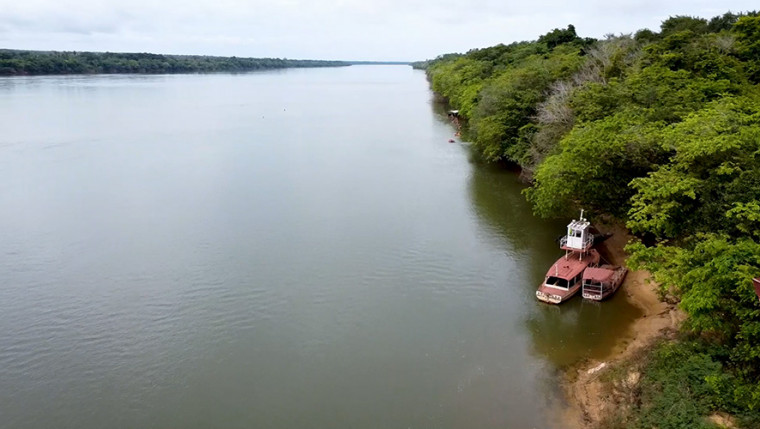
{"x":756,"y":282}
{"x":599,"y":283}
{"x":564,"y":278}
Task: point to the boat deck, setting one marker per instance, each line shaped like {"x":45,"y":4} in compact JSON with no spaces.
{"x":573,"y":264}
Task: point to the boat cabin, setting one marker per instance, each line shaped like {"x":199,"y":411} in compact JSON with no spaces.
{"x":601,"y":282}
{"x":598,"y":277}
{"x":560,"y":283}
{"x":567,"y":273}
{"x":579,"y":237}
{"x":757,"y":286}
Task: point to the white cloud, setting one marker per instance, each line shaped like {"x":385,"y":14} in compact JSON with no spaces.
{"x":339,"y":29}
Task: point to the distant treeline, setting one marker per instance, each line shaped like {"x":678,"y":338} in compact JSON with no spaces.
{"x":425,"y":64}
{"x":15,"y":62}
{"x":380,"y":63}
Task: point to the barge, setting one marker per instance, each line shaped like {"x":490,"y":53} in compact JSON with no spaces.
{"x":600,"y":283}
{"x":564,"y":278}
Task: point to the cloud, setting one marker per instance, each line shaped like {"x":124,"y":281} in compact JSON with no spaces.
{"x":341,"y":29}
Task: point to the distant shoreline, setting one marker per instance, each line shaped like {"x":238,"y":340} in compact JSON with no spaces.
{"x":40,"y":63}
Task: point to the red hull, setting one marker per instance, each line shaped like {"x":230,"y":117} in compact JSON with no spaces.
{"x":563,"y":280}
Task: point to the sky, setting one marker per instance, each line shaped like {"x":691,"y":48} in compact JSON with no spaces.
{"x":378,"y":30}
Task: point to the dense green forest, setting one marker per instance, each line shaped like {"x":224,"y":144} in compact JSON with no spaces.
{"x":662,"y":131}
{"x":13,"y":62}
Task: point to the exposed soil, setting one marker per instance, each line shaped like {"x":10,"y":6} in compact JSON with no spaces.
{"x":587,"y":396}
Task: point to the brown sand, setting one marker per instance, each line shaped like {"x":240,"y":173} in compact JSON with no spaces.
{"x":585,"y":392}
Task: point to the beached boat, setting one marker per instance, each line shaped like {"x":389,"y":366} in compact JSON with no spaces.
{"x":564,"y":278}
{"x":600,"y":283}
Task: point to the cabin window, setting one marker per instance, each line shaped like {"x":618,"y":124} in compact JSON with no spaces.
{"x":592,"y":285}
{"x":556,"y":281}
{"x":576,"y":279}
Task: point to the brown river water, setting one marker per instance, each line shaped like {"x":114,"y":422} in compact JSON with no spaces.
{"x":284,"y":249}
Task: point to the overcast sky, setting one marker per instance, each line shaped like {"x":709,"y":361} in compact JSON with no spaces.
{"x":335,"y":29}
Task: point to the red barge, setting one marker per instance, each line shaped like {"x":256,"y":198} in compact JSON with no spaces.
{"x":564,"y":278}
{"x":600,"y":283}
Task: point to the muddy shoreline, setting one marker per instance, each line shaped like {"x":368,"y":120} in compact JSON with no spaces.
{"x":587,"y":396}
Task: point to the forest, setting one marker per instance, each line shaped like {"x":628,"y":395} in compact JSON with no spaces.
{"x":661,"y":131}
{"x":17,"y":62}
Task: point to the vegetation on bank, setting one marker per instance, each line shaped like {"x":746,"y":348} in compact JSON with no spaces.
{"x":676,"y":385}
{"x":15,"y":62}
{"x":661,"y":130}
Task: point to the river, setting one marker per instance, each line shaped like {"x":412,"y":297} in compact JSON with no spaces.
{"x":284,"y":249}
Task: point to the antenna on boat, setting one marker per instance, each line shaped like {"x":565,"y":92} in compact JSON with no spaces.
{"x":580,"y":256}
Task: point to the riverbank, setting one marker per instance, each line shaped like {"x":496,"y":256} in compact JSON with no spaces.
{"x":585,"y":387}
{"x":35,"y":63}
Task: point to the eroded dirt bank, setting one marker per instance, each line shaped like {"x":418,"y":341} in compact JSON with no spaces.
{"x":588,"y":397}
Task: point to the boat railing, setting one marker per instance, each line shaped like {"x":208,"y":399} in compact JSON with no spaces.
{"x":591,"y":283}
{"x":587,"y":243}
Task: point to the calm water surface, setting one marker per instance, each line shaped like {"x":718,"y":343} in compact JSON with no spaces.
{"x":285,"y":249}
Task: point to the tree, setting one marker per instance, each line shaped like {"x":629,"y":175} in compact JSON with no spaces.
{"x":559,"y":36}
{"x":715,"y":169}
{"x":680,"y":23}
{"x":747,"y":30}
{"x":595,"y":163}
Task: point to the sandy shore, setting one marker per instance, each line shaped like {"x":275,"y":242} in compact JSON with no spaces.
{"x":585,"y":392}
